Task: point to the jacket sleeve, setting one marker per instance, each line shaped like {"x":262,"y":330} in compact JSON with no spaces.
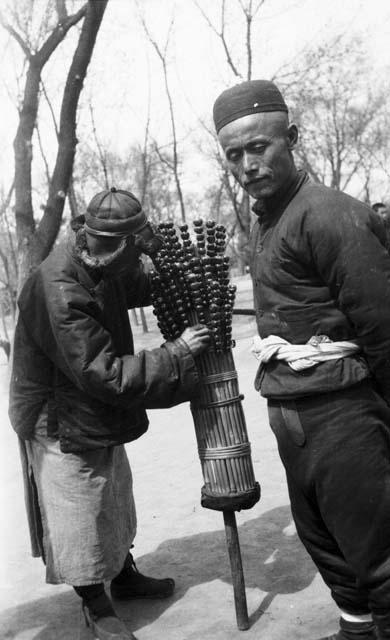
{"x":64,"y":320}
{"x":347,"y":245}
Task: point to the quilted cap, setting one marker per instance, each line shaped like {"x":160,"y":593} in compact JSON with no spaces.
{"x":114,"y":212}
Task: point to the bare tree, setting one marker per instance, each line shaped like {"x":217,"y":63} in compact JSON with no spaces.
{"x":102,"y":154}
{"x":145,"y":153}
{"x":155,"y":189}
{"x":249,"y":10}
{"x":8,"y":259}
{"x":162,"y":53}
{"x":35,"y":240}
{"x":340,"y":118}
{"x":239,"y":199}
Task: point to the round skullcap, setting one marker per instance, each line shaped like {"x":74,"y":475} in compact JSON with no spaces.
{"x":253,"y":96}
{"x":114,"y":213}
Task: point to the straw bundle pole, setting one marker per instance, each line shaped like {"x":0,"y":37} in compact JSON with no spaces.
{"x":220,"y":427}
{"x":191,"y":286}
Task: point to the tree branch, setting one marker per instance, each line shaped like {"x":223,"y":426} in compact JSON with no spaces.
{"x":57,"y":36}
{"x":47,"y":170}
{"x":146,"y":161}
{"x":229,"y":58}
{"x":257,"y":9}
{"x":206,"y":18}
{"x":23,"y":141}
{"x":101,"y":152}
{"x":163,"y":58}
{"x":221,"y":35}
{"x":18,"y":38}
{"x":49,"y":104}
{"x":3,"y":213}
{"x":61,"y":10}
{"x":51,"y":220}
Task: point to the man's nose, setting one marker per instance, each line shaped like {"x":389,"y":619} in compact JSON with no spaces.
{"x":250,"y":163}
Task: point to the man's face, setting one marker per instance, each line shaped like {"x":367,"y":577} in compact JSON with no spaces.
{"x":258,"y":152}
{"x":118,"y":255}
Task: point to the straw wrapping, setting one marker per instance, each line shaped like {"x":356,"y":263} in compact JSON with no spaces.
{"x":219,"y":403}
{"x":219,"y":377}
{"x":236,"y":451}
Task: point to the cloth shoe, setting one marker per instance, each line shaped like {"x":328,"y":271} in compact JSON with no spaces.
{"x":130,"y":583}
{"x":101,"y":618}
{"x":99,"y":614}
{"x":354,"y":631}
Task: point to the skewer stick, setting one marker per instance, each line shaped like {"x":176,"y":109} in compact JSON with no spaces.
{"x":233,"y":545}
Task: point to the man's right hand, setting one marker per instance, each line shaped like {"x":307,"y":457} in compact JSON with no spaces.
{"x":197,"y":338}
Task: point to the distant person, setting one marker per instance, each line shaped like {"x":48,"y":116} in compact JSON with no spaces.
{"x":381,"y":209}
{"x":6,"y":346}
{"x":321,"y":277}
{"x":78,"y":393}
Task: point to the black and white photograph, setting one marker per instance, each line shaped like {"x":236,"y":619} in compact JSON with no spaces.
{"x":195,"y":320}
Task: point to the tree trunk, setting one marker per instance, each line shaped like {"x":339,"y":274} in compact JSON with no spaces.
{"x":143,"y":320}
{"x":51,"y":220}
{"x":243,"y":233}
{"x":35,"y":243}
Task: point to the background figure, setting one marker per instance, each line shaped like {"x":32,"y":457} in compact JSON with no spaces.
{"x":381,"y":209}
{"x":78,"y":393}
{"x":320,"y":273}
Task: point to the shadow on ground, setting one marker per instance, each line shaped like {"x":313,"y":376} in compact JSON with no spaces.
{"x":274,"y":562}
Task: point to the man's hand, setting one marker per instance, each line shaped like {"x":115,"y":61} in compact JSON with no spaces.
{"x":196,"y":338}
{"x":316,"y":340}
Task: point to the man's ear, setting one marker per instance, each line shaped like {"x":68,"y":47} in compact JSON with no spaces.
{"x":292,"y":135}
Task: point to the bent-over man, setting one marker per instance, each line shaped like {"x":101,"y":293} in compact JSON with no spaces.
{"x":78,"y":393}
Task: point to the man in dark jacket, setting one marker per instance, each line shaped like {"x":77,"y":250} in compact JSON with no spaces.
{"x":321,"y":279}
{"x":78,"y":393}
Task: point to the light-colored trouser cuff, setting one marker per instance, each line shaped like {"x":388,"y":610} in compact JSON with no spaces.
{"x":349,"y":617}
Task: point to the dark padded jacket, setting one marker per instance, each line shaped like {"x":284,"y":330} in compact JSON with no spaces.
{"x":320,"y":266}
{"x":74,"y":351}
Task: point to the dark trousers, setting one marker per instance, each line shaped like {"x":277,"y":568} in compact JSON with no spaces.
{"x":336,"y":451}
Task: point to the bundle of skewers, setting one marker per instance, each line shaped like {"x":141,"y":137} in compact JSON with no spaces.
{"x":191,"y":285}
{"x":192,"y":282}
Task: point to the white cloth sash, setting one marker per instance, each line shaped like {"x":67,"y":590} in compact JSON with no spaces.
{"x":301,"y":356}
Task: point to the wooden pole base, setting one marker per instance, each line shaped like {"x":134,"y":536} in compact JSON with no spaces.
{"x":233,"y":545}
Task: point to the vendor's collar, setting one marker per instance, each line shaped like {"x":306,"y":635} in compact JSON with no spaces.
{"x":267,"y":209}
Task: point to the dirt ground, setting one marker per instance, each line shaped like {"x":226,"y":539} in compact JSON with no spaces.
{"x":177,"y":537}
